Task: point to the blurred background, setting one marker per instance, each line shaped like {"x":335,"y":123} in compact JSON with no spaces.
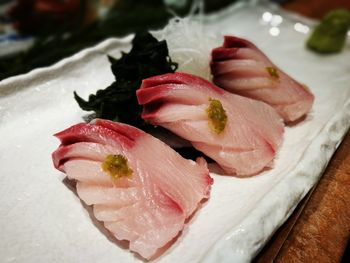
{"x":37,"y":33}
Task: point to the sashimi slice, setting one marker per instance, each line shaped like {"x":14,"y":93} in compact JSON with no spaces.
{"x":240,"y":67}
{"x":147,"y":199}
{"x":179,"y":102}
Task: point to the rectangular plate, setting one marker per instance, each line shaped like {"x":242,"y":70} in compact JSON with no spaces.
{"x":42,"y":221}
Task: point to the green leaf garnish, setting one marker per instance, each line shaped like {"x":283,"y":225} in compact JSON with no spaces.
{"x":148,"y":57}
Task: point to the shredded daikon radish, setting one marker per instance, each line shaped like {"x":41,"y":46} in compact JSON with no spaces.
{"x":189,"y":44}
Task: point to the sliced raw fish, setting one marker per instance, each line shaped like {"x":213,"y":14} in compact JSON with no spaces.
{"x":181,"y":102}
{"x":140,"y":188}
{"x":240,"y":67}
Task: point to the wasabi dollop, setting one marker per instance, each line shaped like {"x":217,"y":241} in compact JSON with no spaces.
{"x":116,"y":166}
{"x":330,"y":35}
{"x":217,"y":116}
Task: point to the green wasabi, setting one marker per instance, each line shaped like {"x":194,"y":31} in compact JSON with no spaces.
{"x":116,"y":166}
{"x":330,"y":35}
{"x":217,"y":116}
{"x":273,"y":72}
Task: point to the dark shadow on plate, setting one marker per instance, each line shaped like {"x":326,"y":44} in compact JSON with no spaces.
{"x":306,"y":117}
{"x":201,"y":204}
{"x":293,"y":123}
{"x":215,"y":168}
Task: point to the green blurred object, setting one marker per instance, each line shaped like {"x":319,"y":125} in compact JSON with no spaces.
{"x":330,"y":35}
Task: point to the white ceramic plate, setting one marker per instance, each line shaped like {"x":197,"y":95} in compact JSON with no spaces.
{"x":41,"y":220}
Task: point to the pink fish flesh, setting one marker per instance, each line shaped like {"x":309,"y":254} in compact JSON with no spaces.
{"x":178,"y":102}
{"x":149,"y":208}
{"x":240,"y":67}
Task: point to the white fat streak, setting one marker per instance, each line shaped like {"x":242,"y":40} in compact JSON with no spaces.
{"x":190,"y":44}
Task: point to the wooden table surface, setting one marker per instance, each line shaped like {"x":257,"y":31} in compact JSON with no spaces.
{"x":319,"y":229}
